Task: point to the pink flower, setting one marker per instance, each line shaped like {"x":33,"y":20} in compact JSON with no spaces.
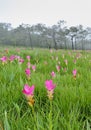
{"x":63,"y":56}
{"x":28,"y":91}
{"x":4,"y":60}
{"x":17,"y":57}
{"x":33,"y":67}
{"x":59,"y":62}
{"x":45,"y":62}
{"x":6,"y":50}
{"x":12,"y":58}
{"x":49,"y":85}
{"x":65,"y":69}
{"x":28,"y":64}
{"x":74,"y":72}
{"x":56,"y":58}
{"x":66,"y":61}
{"x":58,"y":68}
{"x":18,"y":50}
{"x":74,"y":61}
{"x":50,"y":88}
{"x":53,"y":74}
{"x":27,"y":71}
{"x":28,"y":58}
{"x":21,"y":61}
{"x":51,"y":50}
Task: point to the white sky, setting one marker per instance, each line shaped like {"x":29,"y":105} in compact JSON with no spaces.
{"x":48,"y":12}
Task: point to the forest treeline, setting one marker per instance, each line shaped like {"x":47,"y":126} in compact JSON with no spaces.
{"x":57,"y":36}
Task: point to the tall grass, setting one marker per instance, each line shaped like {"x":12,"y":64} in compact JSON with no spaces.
{"x":71,"y":104}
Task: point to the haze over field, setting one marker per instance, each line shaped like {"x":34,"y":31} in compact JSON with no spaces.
{"x":49,"y":12}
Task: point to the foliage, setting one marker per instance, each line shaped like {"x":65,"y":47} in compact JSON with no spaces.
{"x":57,"y":36}
{"x":70,"y":108}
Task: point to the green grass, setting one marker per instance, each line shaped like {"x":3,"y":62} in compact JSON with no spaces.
{"x":71,"y":105}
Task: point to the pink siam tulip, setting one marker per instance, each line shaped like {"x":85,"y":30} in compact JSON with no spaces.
{"x":53,"y":74}
{"x":28,"y":58}
{"x":65,"y":69}
{"x":66,"y":61}
{"x":50,"y":88}
{"x":45,"y":62}
{"x":51,"y":50}
{"x":63,"y":56}
{"x":21,"y":61}
{"x":27,"y":71}
{"x":12,"y":58}
{"x":4,"y":59}
{"x":18,"y":50}
{"x":57,"y":58}
{"x":59,"y":62}
{"x":28,"y":64}
{"x":33,"y":67}
{"x":58,"y":68}
{"x":28,"y":91}
{"x":74,"y":73}
{"x":6,"y":50}
{"x":17,"y":57}
{"x":74,"y":61}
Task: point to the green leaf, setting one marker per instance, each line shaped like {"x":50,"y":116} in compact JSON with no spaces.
{"x":6,"y":123}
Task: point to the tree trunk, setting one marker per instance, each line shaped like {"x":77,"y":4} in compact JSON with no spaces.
{"x":30,"y":39}
{"x":72,"y":42}
{"x":54,"y":40}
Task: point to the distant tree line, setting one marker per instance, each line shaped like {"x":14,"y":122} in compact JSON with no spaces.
{"x":58,"y":36}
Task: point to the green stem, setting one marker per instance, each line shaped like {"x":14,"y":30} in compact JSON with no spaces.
{"x":35,"y":126}
{"x":50,"y":116}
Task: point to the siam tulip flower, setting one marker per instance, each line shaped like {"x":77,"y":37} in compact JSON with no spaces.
{"x":63,"y":56}
{"x":58,"y":68}
{"x":66,"y":61}
{"x":69,"y":53}
{"x":12,"y":57}
{"x":49,"y":85}
{"x":51,"y":50}
{"x":65,"y":69}
{"x":21,"y":61}
{"x":57,"y":58}
{"x":6,"y":50}
{"x":45,"y":62}
{"x":4,"y":59}
{"x":78,"y":55}
{"x":52,"y":57}
{"x":33,"y":67}
{"x":53,"y":74}
{"x":74,"y":73}
{"x":28,"y":58}
{"x":17,"y":57}
{"x":74,"y":61}
{"x":27,"y":71}
{"x":59,"y":62}
{"x":28,"y":64}
{"x":28,"y":91}
{"x":18,"y":50}
{"x":50,"y":88}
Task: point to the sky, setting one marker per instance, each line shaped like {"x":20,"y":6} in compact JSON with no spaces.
{"x":48,"y":12}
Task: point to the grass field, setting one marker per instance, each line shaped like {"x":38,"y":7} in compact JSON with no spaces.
{"x":70,"y":107}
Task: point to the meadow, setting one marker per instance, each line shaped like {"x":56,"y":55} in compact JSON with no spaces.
{"x":63,"y":105}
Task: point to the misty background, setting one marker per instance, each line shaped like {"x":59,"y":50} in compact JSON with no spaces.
{"x":46,"y":23}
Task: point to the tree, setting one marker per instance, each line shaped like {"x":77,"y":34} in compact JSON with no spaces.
{"x":28,"y":31}
{"x":82,"y":34}
{"x":73,"y":33}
